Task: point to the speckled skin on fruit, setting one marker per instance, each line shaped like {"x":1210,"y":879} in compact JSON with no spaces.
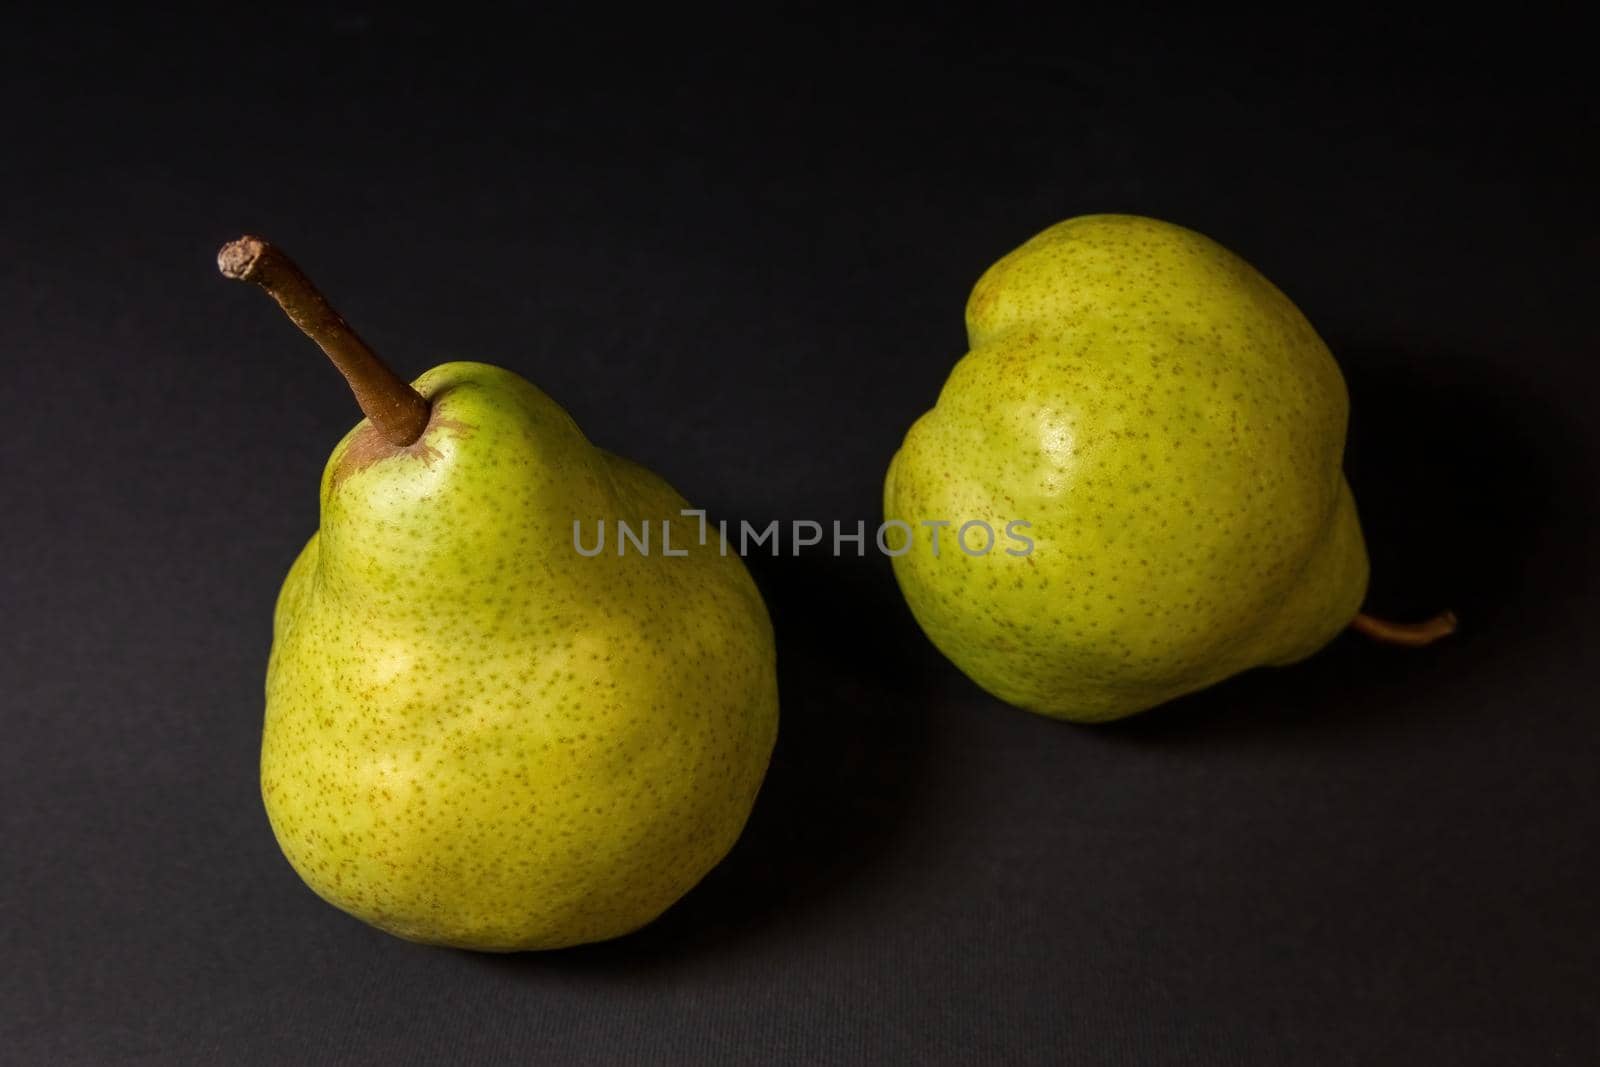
{"x":1173,"y":428}
{"x":476,"y":736}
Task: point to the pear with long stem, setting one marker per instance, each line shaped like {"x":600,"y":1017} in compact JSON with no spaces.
{"x":475,"y":734}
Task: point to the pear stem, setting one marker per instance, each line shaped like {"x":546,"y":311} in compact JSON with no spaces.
{"x":1406,"y":634}
{"x":399,"y":412}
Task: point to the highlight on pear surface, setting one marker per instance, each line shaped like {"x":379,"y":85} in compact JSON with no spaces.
{"x":1174,"y":429}
{"x":470,"y":739}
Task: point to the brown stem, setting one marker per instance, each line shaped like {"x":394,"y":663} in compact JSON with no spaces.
{"x":398,"y":411}
{"x":1408,"y":634}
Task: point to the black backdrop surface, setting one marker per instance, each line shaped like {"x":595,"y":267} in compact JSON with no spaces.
{"x":738,"y":249}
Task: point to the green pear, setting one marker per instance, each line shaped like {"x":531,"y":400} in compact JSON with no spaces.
{"x":475,"y":734}
{"x":1170,"y":428}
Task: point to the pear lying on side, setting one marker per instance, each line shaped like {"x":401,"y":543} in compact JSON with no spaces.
{"x":1172,"y":428}
{"x":475,"y":735}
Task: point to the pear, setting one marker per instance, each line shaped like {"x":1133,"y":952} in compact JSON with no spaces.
{"x":475,"y":735}
{"x":1167,"y":431}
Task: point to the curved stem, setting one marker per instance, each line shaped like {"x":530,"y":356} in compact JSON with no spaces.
{"x":399,"y":412}
{"x":1407,"y":634}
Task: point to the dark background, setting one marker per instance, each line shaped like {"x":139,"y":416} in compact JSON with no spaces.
{"x":737,"y":248}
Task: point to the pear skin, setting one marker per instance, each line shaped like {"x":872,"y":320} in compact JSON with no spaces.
{"x":1172,"y":428}
{"x":475,"y":735}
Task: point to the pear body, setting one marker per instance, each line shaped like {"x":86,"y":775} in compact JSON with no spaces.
{"x":1172,"y":429}
{"x":476,"y":736}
